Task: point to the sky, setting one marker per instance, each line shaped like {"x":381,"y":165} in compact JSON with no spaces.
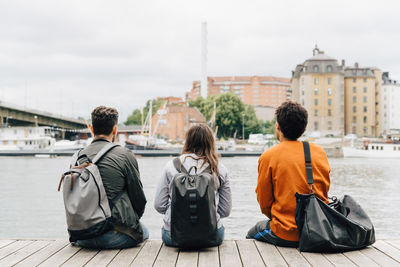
{"x":67,"y":57}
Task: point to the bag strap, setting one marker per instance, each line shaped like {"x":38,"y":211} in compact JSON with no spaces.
{"x":307,"y":156}
{"x":178,"y":166}
{"x":103,"y":151}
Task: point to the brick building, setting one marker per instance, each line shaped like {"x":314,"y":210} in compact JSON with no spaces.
{"x":253,"y":90}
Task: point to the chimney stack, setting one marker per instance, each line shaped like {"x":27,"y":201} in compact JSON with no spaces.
{"x":356,"y":65}
{"x":343,"y":62}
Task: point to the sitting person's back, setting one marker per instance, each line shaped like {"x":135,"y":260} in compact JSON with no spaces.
{"x":198,"y":156}
{"x":282,"y":174}
{"x":121,"y":180}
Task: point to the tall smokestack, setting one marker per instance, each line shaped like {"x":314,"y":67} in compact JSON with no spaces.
{"x":204,"y":82}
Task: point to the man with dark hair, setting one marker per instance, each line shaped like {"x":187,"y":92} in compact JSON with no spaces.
{"x":282,"y":173}
{"x":121,"y":179}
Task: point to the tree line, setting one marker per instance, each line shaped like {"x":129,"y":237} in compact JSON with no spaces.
{"x":231,"y":115}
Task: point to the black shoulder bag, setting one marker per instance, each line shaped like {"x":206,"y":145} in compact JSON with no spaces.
{"x":340,"y":226}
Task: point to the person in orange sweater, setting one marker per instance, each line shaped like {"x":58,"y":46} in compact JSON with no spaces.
{"x":282,"y":173}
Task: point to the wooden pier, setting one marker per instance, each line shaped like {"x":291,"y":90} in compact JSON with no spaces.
{"x":232,"y":253}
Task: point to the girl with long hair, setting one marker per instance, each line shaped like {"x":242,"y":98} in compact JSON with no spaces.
{"x":199,"y":151}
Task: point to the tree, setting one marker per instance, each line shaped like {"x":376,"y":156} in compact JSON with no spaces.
{"x":229,"y":118}
{"x":136,"y":117}
{"x":251,"y":123}
{"x":269,"y":127}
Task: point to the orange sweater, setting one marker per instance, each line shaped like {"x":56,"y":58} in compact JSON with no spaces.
{"x":282,"y":173}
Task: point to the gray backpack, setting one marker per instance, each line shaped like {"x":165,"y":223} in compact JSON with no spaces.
{"x":193,"y":210}
{"x":85,"y":200}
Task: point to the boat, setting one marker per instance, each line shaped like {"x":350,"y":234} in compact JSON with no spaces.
{"x":373,"y":150}
{"x":26,"y":138}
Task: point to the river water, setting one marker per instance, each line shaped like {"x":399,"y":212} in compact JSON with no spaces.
{"x":31,"y":207}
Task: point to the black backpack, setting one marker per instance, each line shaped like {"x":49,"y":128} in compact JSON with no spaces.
{"x":193,"y":211}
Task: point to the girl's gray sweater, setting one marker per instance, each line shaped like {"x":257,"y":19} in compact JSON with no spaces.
{"x":223,"y":199}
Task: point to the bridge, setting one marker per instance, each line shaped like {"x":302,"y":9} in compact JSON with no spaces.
{"x":19,"y":116}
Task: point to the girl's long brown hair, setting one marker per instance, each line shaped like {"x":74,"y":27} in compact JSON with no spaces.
{"x":200,"y":141}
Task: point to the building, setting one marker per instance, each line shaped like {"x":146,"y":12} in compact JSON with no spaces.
{"x":390,"y":98}
{"x":253,"y":90}
{"x":318,"y":84}
{"x":339,"y":99}
{"x":174,"y":118}
{"x":362,"y":101}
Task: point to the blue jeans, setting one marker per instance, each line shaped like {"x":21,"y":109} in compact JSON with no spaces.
{"x":113,"y":240}
{"x":166,"y":236}
{"x":262,"y":232}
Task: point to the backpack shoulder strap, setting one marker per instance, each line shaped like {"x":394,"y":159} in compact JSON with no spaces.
{"x":307,"y":156}
{"x":103,"y":151}
{"x":179,"y":166}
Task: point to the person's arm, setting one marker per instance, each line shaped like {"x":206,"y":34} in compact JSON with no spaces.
{"x":134,"y":185}
{"x":264,"y":189}
{"x":225,"y":197}
{"x":161,"y":200}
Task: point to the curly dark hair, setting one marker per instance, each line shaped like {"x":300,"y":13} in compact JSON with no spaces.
{"x":104,"y":119}
{"x":292,"y":119}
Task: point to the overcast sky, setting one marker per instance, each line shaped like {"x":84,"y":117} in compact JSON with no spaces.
{"x":68,"y":57}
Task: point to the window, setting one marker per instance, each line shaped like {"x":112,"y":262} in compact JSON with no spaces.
{"x":302,"y":91}
{"x":302,"y":102}
{"x":329,"y":91}
{"x":316,"y":69}
{"x":365,"y":89}
{"x":316,"y":112}
{"x":354,"y":72}
{"x":354,"y":80}
{"x":329,"y":125}
{"x":365,"y":80}
{"x":365,"y":130}
{"x":302,"y":80}
{"x":354,"y":99}
{"x":354,"y":109}
{"x":354,"y":119}
{"x":329,"y":68}
{"x":315,"y":80}
{"x":365,"y":99}
{"x":354,"y":89}
{"x":365,"y":119}
{"x":329,"y":101}
{"x":315,"y":91}
{"x":316,"y":102}
{"x":329,"y":112}
{"x":329,"y":80}
{"x":315,"y":126}
{"x":365,"y":108}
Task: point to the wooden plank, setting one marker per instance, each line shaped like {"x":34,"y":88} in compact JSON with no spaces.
{"x":13,"y":247}
{"x":187,"y":258}
{"x":270,"y":254}
{"x":43,"y":254}
{"x":209,"y":257}
{"x":229,"y":254}
{"x":249,"y":253}
{"x":316,"y":259}
{"x":394,"y":243}
{"x":359,"y":259}
{"x":389,"y":250}
{"x":148,"y":253}
{"x":5,"y":242}
{"x":102,"y":258}
{"x":61,"y":256}
{"x":126,"y":256}
{"x":379,"y":257}
{"x":293,"y":257}
{"x":338,"y":259}
{"x":23,"y":253}
{"x":167,"y":257}
{"x":81,"y":258}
